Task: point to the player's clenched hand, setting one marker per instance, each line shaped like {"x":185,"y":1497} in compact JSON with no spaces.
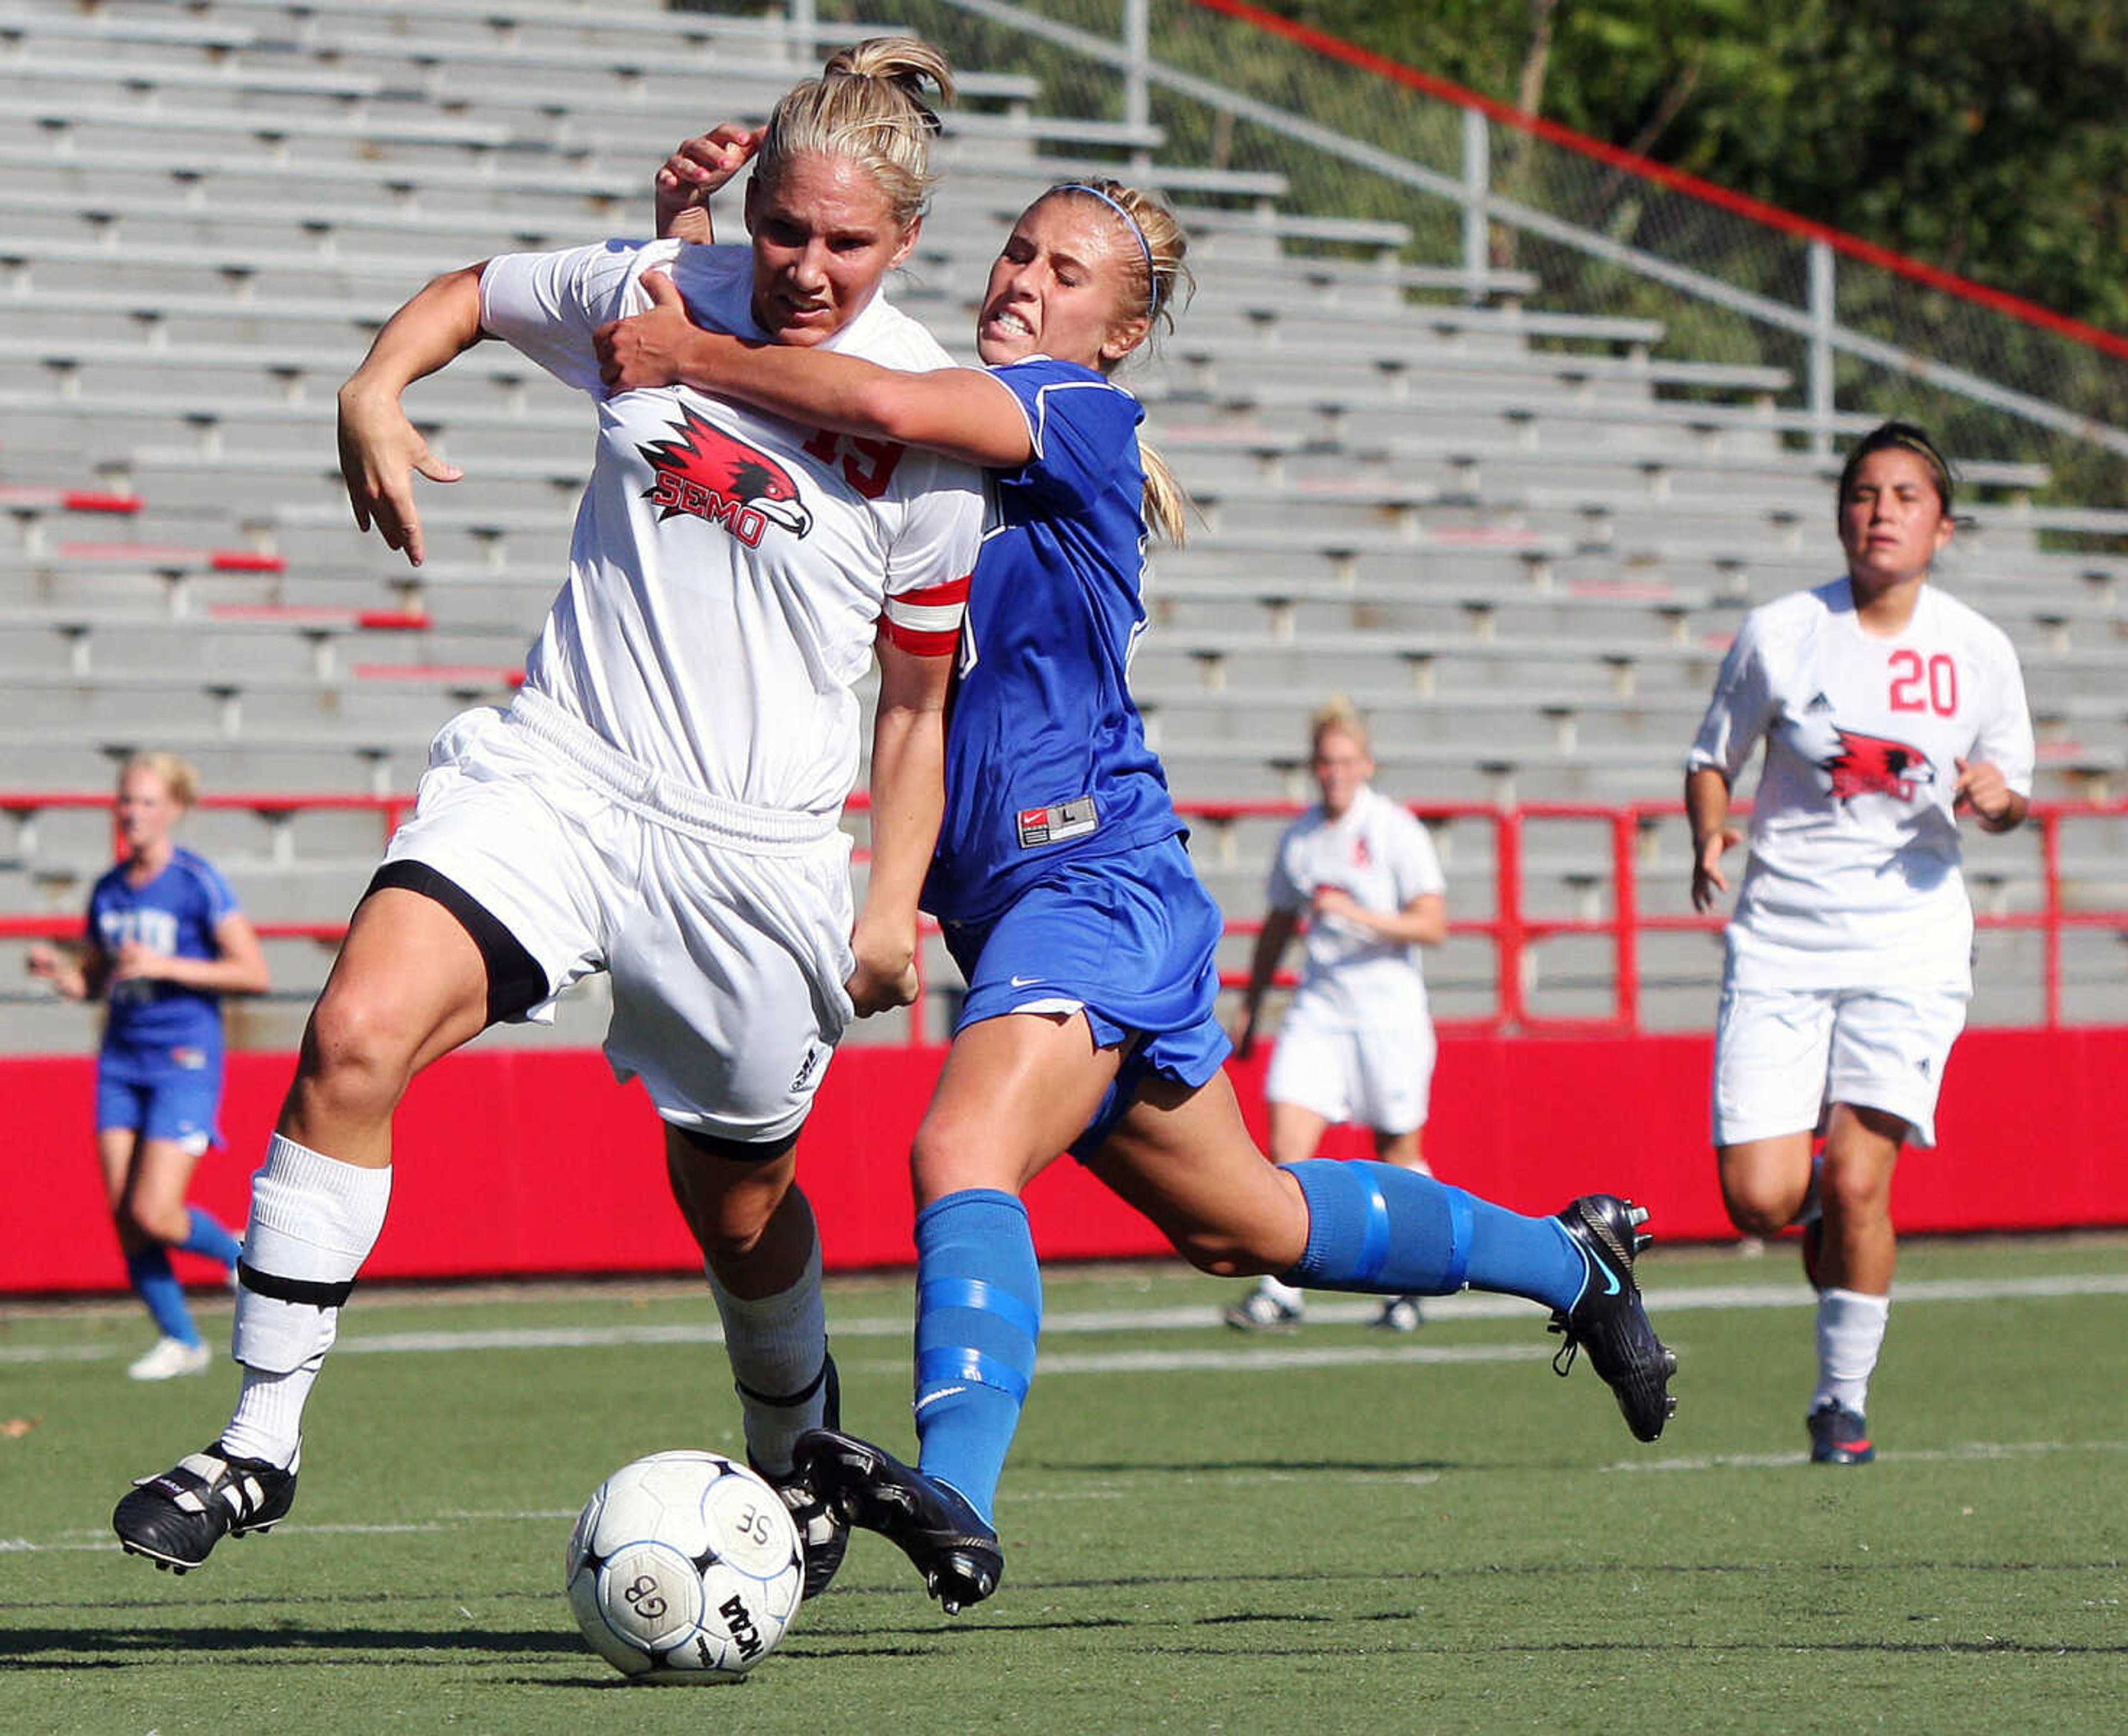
{"x":1982,"y":787}
{"x":1707,"y":878}
{"x":698,"y":168}
{"x":645,"y":348}
{"x":885,"y":975}
{"x":380,"y":451}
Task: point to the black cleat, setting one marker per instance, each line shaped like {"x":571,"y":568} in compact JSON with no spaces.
{"x":1839,"y":1436}
{"x":932,"y":1524}
{"x":177,"y":1518}
{"x":823,"y":1530}
{"x":1609,"y":1317}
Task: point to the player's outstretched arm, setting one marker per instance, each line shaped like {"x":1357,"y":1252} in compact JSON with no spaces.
{"x":961,"y":412}
{"x":908,"y":802}
{"x":380,"y":450}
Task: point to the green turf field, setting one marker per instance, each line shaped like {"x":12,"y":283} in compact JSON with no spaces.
{"x":1327,"y":1532}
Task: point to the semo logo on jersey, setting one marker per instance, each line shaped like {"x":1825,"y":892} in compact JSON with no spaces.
{"x":706,"y":473}
{"x":1874,"y":764}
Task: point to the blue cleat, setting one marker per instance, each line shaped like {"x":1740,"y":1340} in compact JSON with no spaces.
{"x":1608,"y":1318}
{"x":931,"y":1523}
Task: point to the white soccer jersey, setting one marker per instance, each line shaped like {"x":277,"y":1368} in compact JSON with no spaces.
{"x":730,"y":568}
{"x":1381,"y":855}
{"x":1854,"y":877}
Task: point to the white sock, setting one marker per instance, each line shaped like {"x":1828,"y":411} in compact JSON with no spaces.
{"x":1850,"y":1332}
{"x":313,"y":1221}
{"x":268,"y":1420}
{"x":778,"y":1347}
{"x":1288,"y":1296}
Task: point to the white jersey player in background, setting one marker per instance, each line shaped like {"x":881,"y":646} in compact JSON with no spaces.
{"x":1356,"y":1045}
{"x":662,"y":801}
{"x":1887,"y":708}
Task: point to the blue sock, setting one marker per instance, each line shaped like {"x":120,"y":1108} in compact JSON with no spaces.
{"x":1387,"y":1231}
{"x":157,"y":1285}
{"x":208,"y":1236}
{"x":978,"y":1314}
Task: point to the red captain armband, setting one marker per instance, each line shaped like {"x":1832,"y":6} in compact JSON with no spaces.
{"x":927,"y":623}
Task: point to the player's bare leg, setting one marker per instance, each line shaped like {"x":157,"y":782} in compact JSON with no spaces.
{"x":410,"y":985}
{"x":1853,"y":1262}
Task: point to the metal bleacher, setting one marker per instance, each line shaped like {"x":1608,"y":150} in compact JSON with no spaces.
{"x":1520,"y":537}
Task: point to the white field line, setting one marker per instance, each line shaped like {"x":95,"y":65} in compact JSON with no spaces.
{"x":1201,"y":1319}
{"x":1113,"y":1486}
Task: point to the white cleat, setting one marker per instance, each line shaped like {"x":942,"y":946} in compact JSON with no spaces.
{"x":170,"y":1359}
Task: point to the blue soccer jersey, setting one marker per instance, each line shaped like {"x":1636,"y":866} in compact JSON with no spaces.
{"x":176,"y":913}
{"x":1046,"y":757}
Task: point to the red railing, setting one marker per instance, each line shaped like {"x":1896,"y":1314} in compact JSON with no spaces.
{"x":1514,"y":930}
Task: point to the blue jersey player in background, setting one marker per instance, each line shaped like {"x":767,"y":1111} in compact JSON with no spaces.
{"x":1067,"y":895}
{"x":165,"y":942}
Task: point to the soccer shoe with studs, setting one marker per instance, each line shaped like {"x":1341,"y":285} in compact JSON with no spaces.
{"x":933,"y":1525}
{"x":1839,"y":1436}
{"x":1260,"y":1311}
{"x":1608,"y":1318}
{"x":176,"y":1519}
{"x":821,"y":1528}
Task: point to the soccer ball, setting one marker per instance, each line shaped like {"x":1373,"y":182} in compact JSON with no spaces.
{"x":685,"y":1567}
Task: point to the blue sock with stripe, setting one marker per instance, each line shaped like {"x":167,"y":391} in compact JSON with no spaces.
{"x":978,"y":1315}
{"x":157,"y":1285}
{"x":1387,"y":1231}
{"x":207,"y":1236}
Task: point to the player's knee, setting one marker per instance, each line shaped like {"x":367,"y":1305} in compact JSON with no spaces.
{"x":1855,"y":1192}
{"x":153,"y":1220}
{"x":950,"y":1157}
{"x":358,"y":1055}
{"x":1758,"y":1208}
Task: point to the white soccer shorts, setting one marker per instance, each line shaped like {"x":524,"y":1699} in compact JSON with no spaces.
{"x":1377,"y":1077}
{"x":725,"y":929}
{"x":1782,"y":1056}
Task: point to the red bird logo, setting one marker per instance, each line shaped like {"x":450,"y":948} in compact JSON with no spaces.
{"x":706,"y":473}
{"x":1867,"y":763}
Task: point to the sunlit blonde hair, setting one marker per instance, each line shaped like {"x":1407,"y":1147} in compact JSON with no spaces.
{"x":1154,"y":266}
{"x":1337,"y":715}
{"x":867,"y":105}
{"x":176,"y":774}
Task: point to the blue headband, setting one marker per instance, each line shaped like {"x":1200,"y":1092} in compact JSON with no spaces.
{"x":1144,"y":246}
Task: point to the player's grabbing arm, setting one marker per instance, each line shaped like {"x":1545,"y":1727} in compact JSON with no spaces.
{"x":960,"y":412}
{"x":698,"y":168}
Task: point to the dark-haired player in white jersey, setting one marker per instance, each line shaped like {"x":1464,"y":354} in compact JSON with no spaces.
{"x":1067,"y":895}
{"x":662,"y":800}
{"x":1888,"y":709}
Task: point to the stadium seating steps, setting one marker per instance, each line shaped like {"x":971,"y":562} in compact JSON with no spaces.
{"x":1521,"y":538}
